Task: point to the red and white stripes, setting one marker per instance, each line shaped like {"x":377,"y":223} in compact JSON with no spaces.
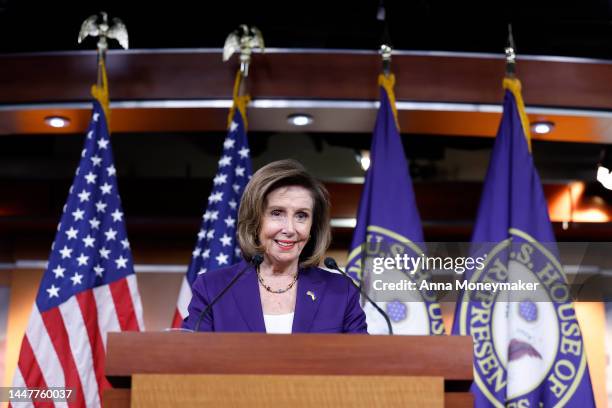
{"x":65,"y":346}
{"x":183,"y":302}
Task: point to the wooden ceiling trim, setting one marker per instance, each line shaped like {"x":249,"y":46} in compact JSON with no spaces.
{"x":181,"y":74}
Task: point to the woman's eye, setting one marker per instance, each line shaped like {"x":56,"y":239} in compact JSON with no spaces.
{"x":302,"y":216}
{"x":275,"y":213}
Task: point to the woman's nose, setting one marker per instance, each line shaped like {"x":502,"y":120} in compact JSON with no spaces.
{"x":289,"y":227}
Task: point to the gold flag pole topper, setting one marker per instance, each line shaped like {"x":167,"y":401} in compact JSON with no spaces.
{"x":242,"y":40}
{"x":98,"y":26}
{"x":512,"y":83}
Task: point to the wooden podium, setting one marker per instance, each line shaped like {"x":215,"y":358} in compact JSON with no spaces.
{"x":304,"y":370}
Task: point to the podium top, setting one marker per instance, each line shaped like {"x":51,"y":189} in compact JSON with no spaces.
{"x":256,"y":353}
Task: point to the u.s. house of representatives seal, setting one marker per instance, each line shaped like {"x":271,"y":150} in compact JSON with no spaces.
{"x":416,"y":312}
{"x":527,"y":346}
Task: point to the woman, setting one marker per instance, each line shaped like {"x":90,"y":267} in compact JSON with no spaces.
{"x":284,"y":216}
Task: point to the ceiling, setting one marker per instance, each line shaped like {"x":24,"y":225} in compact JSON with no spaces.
{"x":544,"y":27}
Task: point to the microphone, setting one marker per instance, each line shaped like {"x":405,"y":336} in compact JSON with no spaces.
{"x":331,"y":264}
{"x":255,"y":261}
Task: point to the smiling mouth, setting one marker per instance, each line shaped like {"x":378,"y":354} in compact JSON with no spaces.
{"x":518,"y":349}
{"x":285,"y":245}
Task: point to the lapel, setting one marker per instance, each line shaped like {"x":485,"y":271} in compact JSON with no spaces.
{"x":310,"y":282}
{"x":246,"y":295}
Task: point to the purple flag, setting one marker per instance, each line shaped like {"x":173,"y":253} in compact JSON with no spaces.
{"x":528,"y":349}
{"x":388,"y":216}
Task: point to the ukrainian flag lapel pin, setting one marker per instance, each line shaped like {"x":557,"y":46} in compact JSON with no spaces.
{"x":312,"y":295}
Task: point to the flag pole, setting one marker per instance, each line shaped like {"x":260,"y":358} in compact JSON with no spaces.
{"x":98,"y":26}
{"x":385,"y":52}
{"x":387,"y":80}
{"x":510,"y":55}
{"x":513,"y":84}
{"x":386,"y":47}
{"x":243,"y":40}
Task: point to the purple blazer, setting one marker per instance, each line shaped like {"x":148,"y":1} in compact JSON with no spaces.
{"x":335,"y":308}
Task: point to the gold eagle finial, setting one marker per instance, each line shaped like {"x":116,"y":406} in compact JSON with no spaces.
{"x":116,"y":31}
{"x":243,"y":40}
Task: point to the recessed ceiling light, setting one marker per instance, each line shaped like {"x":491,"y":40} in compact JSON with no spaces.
{"x":57,"y":121}
{"x":299,"y":119}
{"x":542,"y":127}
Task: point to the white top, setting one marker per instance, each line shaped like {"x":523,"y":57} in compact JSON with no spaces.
{"x":279,"y":323}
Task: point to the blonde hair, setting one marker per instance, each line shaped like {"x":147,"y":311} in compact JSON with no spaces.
{"x":274,"y":175}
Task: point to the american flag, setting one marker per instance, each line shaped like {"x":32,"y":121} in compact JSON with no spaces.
{"x":216,"y":245}
{"x":89,"y":287}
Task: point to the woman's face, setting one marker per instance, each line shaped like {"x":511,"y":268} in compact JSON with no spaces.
{"x":286,"y":223}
